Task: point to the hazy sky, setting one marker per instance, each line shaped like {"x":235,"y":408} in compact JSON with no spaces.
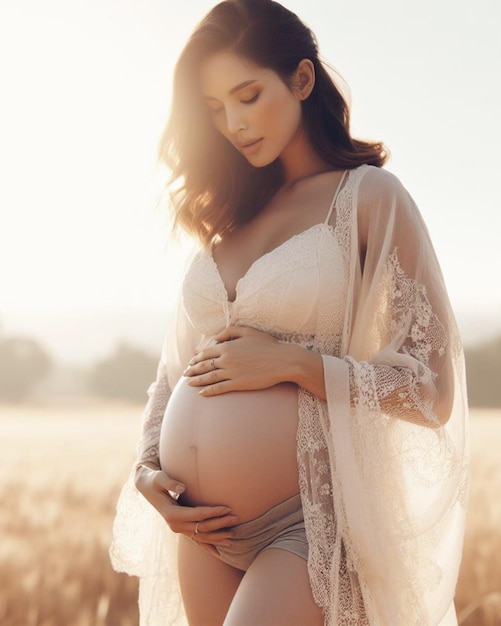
{"x":85,"y":92}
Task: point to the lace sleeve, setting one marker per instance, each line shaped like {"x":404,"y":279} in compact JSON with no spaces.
{"x":151,"y":423}
{"x":403,"y":334}
{"x":400,"y":380}
{"x":398,"y":487}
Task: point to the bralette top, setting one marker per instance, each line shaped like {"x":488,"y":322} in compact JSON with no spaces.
{"x":281,"y":293}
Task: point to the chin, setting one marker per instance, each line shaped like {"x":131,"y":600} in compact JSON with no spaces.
{"x":261,"y":160}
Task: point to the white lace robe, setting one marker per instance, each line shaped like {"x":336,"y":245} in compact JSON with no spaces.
{"x":383,"y":483}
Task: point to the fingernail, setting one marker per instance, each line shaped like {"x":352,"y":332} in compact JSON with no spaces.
{"x":226,"y":542}
{"x":179,"y":489}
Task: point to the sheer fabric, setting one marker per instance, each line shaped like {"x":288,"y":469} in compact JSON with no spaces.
{"x":382,"y":462}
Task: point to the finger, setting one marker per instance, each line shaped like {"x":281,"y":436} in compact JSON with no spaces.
{"x":202,"y":513}
{"x":217,"y":389}
{"x":209,"y":378}
{"x":211,"y":546}
{"x":229,"y":333}
{"x":182,"y":519}
{"x":163,"y":482}
{"x":205,"y":366}
{"x":215,"y":539}
{"x":220,"y":536}
{"x":210,"y":526}
{"x":205,"y":355}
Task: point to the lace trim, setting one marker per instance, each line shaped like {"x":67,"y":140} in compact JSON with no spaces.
{"x":158,"y":394}
{"x":334,"y":583}
{"x":308,"y":341}
{"x":412,"y":310}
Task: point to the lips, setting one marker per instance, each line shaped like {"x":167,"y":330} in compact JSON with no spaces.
{"x":249,"y":145}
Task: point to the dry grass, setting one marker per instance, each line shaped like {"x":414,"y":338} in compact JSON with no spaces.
{"x":478,"y":595}
{"x":59,"y":480}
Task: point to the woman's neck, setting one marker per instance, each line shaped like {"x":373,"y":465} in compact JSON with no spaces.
{"x":289,"y":185}
{"x":300,"y":161}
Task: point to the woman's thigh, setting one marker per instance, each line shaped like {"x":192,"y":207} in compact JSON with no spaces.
{"x":207,"y":584}
{"x":275,"y":591}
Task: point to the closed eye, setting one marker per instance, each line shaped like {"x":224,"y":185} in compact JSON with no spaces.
{"x":216,"y":111}
{"x":250,"y":100}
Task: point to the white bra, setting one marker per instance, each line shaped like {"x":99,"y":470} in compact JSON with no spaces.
{"x":279,"y":293}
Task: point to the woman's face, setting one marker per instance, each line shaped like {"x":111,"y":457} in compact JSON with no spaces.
{"x":251,"y":106}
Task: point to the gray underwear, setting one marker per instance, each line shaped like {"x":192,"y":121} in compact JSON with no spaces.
{"x":282,"y":526}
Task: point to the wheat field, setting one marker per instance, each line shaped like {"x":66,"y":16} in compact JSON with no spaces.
{"x":60,"y":474}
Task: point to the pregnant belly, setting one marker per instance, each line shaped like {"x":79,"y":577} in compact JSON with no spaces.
{"x":237,"y":449}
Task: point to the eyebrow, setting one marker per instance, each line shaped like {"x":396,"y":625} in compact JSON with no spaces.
{"x":235,"y":89}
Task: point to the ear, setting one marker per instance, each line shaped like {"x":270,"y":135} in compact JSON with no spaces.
{"x":304,"y":79}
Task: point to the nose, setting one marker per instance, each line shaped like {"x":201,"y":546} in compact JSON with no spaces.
{"x":234,"y":120}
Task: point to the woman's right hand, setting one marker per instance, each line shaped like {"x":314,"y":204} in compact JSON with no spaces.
{"x":207,"y":525}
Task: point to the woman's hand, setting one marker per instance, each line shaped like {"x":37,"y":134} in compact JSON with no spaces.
{"x":246,"y":359}
{"x":243,"y":359}
{"x":207,"y":525}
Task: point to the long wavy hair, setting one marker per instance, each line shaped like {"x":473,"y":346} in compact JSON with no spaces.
{"x":217,"y":188}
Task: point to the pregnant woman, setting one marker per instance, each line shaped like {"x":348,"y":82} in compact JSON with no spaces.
{"x":304,"y":440}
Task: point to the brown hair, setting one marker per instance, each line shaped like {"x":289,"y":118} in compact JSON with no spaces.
{"x":220,"y":189}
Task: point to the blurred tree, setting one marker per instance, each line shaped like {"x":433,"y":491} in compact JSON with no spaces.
{"x":483,"y":372}
{"x":23,"y":362}
{"x":125,"y":374}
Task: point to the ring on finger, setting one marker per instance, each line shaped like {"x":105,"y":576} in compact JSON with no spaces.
{"x":196,"y":530}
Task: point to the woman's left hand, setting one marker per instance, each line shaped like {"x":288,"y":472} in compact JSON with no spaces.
{"x":243,"y":359}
